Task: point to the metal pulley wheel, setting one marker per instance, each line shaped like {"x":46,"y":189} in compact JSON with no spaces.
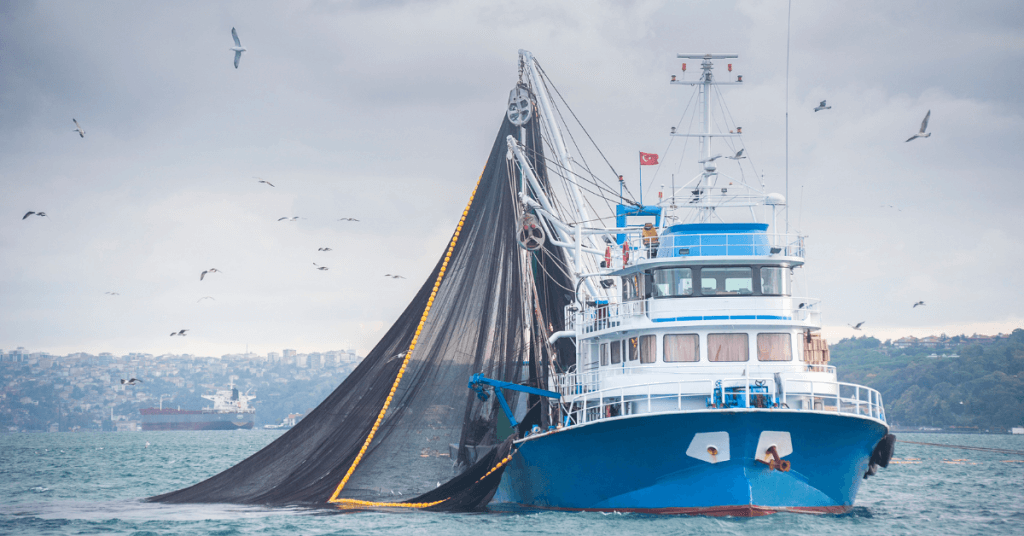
{"x":520,"y":110}
{"x":530,"y":235}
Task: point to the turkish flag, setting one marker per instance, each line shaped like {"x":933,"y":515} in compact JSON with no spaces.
{"x":648,"y":159}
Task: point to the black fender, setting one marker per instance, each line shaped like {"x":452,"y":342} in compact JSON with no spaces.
{"x":881,"y":454}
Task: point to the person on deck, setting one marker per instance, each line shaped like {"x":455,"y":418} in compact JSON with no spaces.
{"x":650,"y":239}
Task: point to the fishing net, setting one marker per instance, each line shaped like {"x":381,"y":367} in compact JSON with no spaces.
{"x":403,"y":428}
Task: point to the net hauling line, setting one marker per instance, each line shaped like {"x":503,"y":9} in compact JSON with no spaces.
{"x":355,"y":503}
{"x":964,"y":447}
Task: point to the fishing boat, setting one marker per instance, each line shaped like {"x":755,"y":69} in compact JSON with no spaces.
{"x":701,"y":384}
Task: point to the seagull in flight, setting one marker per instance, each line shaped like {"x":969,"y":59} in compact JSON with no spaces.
{"x":918,"y":303}
{"x":78,"y":128}
{"x":180,"y":333}
{"x":822,"y":107}
{"x":238,"y":48}
{"x":321,"y":268}
{"x":264,"y":182}
{"x":113,"y":293}
{"x":924,"y":126}
{"x":206,"y":298}
{"x":210,"y":271}
{"x":132,"y":381}
{"x":293,"y":218}
{"x":396,"y":276}
{"x":738,"y":156}
{"x":348,"y":219}
{"x":857,"y":327}
{"x":324,"y":249}
{"x":29,"y":213}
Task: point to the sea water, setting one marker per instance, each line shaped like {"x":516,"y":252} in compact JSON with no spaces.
{"x":95,"y":483}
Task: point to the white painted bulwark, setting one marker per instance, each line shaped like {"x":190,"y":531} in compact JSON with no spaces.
{"x":705,"y":444}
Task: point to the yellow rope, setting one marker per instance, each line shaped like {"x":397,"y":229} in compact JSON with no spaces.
{"x":408,"y":354}
{"x":353,"y":503}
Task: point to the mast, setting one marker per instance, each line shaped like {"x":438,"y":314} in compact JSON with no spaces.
{"x":706,"y":212}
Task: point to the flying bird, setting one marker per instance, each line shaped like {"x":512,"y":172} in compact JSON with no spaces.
{"x":924,"y":126}
{"x":264,"y":182}
{"x":394,"y":276}
{"x":238,"y":48}
{"x":132,"y":381}
{"x":113,"y":293}
{"x":293,"y":218}
{"x":348,"y":219}
{"x":918,"y":303}
{"x":857,"y":327}
{"x":321,"y":268}
{"x":206,"y":298}
{"x":29,"y":213}
{"x":324,"y":249}
{"x":180,"y":333}
{"x":738,"y":156}
{"x":210,"y":271}
{"x":78,"y":128}
{"x":822,"y":107}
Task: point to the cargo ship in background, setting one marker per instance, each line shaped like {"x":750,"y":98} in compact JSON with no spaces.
{"x":231,"y":411}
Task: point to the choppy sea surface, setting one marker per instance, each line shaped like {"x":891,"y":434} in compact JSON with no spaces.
{"x":94,"y":483}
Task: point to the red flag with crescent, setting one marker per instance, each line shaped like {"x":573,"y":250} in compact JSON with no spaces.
{"x":648,"y":159}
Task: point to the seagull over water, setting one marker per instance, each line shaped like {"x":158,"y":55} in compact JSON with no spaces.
{"x":113,"y":293}
{"x":857,"y":327}
{"x":293,"y":218}
{"x":822,"y":107}
{"x":918,"y":303}
{"x":324,"y":249}
{"x":924,"y":127}
{"x":394,"y":276}
{"x":321,"y":268}
{"x":206,"y":298}
{"x":264,"y":182}
{"x":180,"y":333}
{"x":238,"y":48}
{"x":210,"y":271}
{"x":348,"y":219}
{"x":78,"y":128}
{"x":132,"y":381}
{"x":29,"y":213}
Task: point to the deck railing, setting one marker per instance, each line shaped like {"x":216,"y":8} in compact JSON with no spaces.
{"x":713,"y":244}
{"x":583,"y":403}
{"x":613,"y":315}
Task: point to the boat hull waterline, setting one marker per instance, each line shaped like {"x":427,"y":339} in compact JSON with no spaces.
{"x":643,"y":464}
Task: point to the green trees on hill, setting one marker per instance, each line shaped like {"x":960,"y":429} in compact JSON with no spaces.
{"x":983,"y":388}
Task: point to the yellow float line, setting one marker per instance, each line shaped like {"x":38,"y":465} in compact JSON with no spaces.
{"x":408,"y":354}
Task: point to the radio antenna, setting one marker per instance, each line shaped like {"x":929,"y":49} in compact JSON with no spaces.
{"x":789,"y":12}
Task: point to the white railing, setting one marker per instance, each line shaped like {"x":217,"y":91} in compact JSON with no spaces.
{"x":583,"y":401}
{"x":613,"y":315}
{"x":714,"y":244}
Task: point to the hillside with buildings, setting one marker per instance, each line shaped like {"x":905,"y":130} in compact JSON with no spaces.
{"x":962,"y":383}
{"x":79,"y":392}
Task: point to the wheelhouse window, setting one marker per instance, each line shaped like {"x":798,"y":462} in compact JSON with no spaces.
{"x":604,"y":354}
{"x":633,"y":345}
{"x":616,"y":352}
{"x":633,"y":287}
{"x":726,"y":281}
{"x":727,"y":347}
{"x":682,"y":348}
{"x":673,"y":282}
{"x":776,"y":280}
{"x":774,"y":347}
{"x":648,"y":348}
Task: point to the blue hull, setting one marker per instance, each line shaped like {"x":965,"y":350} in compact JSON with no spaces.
{"x":644,"y":464}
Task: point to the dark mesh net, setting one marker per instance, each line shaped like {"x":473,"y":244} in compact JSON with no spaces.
{"x":494,"y":307}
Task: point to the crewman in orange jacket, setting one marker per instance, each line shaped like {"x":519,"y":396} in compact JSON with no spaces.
{"x":650,"y":240}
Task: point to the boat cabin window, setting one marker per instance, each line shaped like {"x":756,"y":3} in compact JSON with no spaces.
{"x":604,"y":354}
{"x":726,"y":281}
{"x":673,"y":282}
{"x":682,"y":348}
{"x":776,"y":280}
{"x":616,"y":352}
{"x":633,"y":345}
{"x":633,"y":287}
{"x":774,"y":347}
{"x":648,"y":348}
{"x":728,"y":347}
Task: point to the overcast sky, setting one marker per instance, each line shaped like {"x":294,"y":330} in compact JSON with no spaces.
{"x":385,"y":112}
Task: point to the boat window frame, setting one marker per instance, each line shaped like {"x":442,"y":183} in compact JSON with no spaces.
{"x":698,"y":290}
{"x":665,"y":353}
{"x":603,"y":352}
{"x":788,"y":347}
{"x":652,"y":349}
{"x":632,"y":348}
{"x":746,"y":338}
{"x":615,"y":357}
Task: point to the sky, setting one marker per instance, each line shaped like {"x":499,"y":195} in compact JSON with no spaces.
{"x":386,"y":111}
